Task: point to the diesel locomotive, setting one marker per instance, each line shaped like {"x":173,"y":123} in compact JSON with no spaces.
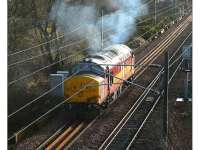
{"x":100,"y":77}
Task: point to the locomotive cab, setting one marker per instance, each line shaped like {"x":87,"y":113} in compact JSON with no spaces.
{"x":86,"y":85}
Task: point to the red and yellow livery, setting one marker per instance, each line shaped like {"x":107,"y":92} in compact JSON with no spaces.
{"x":100,"y":76}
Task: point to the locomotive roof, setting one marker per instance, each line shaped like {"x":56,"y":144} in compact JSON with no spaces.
{"x":110,"y":55}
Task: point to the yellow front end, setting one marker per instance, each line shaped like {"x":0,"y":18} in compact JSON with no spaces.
{"x":89,"y":86}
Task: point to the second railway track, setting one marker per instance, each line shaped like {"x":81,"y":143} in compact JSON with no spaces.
{"x":154,"y":54}
{"x":70,"y":134}
{"x":147,"y":59}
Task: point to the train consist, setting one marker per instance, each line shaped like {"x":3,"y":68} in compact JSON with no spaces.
{"x":100,"y":77}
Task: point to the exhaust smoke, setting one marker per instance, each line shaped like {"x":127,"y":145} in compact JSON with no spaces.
{"x":117,"y":22}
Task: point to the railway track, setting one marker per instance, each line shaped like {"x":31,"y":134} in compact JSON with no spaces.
{"x":66,"y":136}
{"x":128,"y":126}
{"x":69,"y":136}
{"x":127,"y":130}
{"x":157,"y":51}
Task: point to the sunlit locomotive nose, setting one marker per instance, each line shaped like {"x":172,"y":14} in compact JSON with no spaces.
{"x":87,"y":87}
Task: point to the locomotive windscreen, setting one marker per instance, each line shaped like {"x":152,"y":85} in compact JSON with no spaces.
{"x":85,"y":67}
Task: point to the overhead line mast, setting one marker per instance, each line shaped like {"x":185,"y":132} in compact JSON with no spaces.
{"x":101,"y":29}
{"x":155,"y":11}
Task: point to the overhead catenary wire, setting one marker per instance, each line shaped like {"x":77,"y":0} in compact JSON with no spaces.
{"x":32,"y":73}
{"x":123,"y":121}
{"x":163,"y":10}
{"x":45,"y":93}
{"x":52,"y":51}
{"x":59,"y":85}
{"x":22,"y":61}
{"x":128,"y":147}
{"x":172,"y":76}
{"x":53,"y":108}
{"x":47,"y":113}
{"x":147,"y":32}
{"x":144,"y":121}
{"x":10,"y":65}
{"x":175,"y":72}
{"x":157,"y":15}
{"x":69,"y":44}
{"x":36,"y":99}
{"x":33,"y":101}
{"x":178,"y":66}
{"x":129,"y":82}
{"x":28,"y":104}
{"x":59,"y":49}
{"x":61,"y":36}
{"x":38,"y":70}
{"x":177,"y":59}
{"x":145,"y":65}
{"x":180,"y":46}
{"x":131,"y":111}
